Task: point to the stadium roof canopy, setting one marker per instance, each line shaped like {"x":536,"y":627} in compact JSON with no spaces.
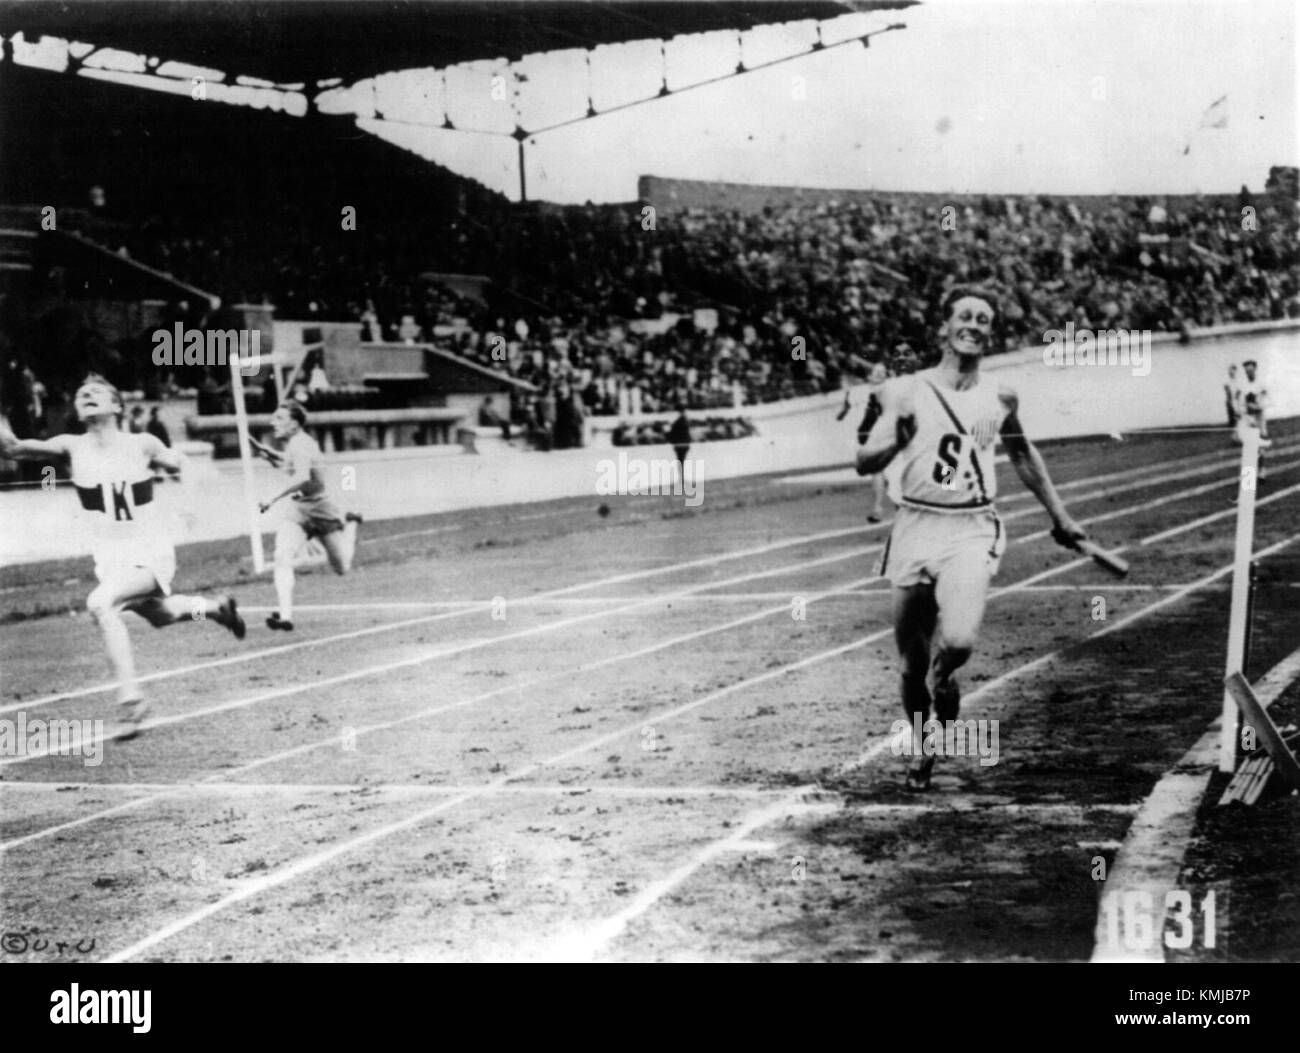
{"x":311,"y":41}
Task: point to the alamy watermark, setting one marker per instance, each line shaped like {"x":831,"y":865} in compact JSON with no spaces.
{"x":179,"y":346}
{"x":1129,"y":348}
{"x":40,"y":738}
{"x":946,"y":738}
{"x":642,"y":476}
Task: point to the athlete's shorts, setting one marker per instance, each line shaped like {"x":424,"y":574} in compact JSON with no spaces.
{"x":317,"y":516}
{"x":156,"y":555}
{"x":922,"y":544}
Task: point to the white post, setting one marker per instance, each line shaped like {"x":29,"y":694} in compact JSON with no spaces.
{"x":246,"y":455}
{"x":1240,"y":589}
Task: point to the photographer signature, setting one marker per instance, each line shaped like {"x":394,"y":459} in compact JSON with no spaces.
{"x":21,"y":943}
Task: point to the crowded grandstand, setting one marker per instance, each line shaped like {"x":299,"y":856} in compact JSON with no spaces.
{"x":587,"y":303}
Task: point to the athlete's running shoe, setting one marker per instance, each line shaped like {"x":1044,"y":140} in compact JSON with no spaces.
{"x":274,"y":621}
{"x":918,"y":774}
{"x":133,"y":713}
{"x":229,"y":616}
{"x":354,"y":517}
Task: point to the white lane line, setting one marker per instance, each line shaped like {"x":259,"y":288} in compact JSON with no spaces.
{"x":240,"y":658}
{"x":1216,"y":516}
{"x":1195,"y":492}
{"x":604,"y":932}
{"x":390,"y":605}
{"x":451,"y":529}
{"x":1150,"y":860}
{"x":454,"y":527}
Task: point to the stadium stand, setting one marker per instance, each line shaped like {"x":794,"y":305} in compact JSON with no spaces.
{"x":582,"y":302}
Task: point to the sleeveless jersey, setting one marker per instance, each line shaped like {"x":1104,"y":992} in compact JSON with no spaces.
{"x":948,"y":464}
{"x":302,"y":453}
{"x":1250,"y":396}
{"x":115,"y":486}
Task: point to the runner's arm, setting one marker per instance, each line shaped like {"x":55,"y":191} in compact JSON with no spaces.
{"x":869,"y":418}
{"x":262,"y":450}
{"x":892,"y":431}
{"x":172,"y":460}
{"x":13,"y":448}
{"x":1029,"y":465}
{"x":301,"y":481}
{"x":165,"y":457}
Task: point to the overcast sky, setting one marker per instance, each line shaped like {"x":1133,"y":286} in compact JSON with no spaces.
{"x":974,"y":96}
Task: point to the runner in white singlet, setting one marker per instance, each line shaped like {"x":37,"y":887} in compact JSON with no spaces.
{"x":940,"y":426}
{"x":135,"y":561}
{"x":1251,"y":402}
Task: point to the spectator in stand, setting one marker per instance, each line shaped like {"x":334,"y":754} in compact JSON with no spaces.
{"x":855,"y":277}
{"x":270,"y":396}
{"x":371,"y":331}
{"x":488,"y":417}
{"x":157,"y":428}
{"x":37,"y":397}
{"x":207,"y":395}
{"x":15,"y":398}
{"x":546,"y":414}
{"x":409,"y":332}
{"x":680,"y":436}
{"x":317,"y":381}
{"x":874,"y":409}
{"x":569,"y":418}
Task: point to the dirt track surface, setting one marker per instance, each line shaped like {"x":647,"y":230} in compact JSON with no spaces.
{"x":644,"y":754}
